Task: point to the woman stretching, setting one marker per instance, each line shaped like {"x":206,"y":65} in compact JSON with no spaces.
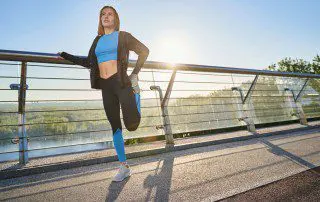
{"x":108,"y":62}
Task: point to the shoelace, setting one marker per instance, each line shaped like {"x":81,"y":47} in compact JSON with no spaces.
{"x":120,"y":168}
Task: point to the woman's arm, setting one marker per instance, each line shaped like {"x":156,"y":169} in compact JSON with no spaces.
{"x":140,"y":49}
{"x":82,"y":61}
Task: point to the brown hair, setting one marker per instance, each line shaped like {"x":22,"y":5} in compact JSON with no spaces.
{"x":117,"y":20}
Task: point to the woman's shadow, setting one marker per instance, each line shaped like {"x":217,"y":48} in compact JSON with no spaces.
{"x":115,"y":189}
{"x":160,"y":180}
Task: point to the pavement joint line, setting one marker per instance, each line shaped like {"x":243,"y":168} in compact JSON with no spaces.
{"x":20,"y":172}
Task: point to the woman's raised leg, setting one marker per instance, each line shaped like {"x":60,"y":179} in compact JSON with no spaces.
{"x":130,"y":105}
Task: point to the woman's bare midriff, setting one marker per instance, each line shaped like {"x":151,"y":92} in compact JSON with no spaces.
{"x":108,"y":68}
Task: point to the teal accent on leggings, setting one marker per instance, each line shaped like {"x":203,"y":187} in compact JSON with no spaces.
{"x":119,"y":145}
{"x":137,"y":96}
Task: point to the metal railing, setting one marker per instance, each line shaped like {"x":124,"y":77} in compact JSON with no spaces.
{"x":52,"y":107}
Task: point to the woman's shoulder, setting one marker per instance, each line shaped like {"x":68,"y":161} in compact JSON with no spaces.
{"x":125,"y":32}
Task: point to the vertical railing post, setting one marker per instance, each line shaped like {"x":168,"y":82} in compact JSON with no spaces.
{"x":246,"y":106}
{"x":164,"y":109}
{"x":302,"y":115}
{"x":23,"y":142}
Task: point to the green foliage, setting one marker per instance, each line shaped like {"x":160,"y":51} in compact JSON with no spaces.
{"x":297,"y":65}
{"x":316,"y":64}
{"x":8,"y":119}
{"x":300,"y":66}
{"x":131,"y":141}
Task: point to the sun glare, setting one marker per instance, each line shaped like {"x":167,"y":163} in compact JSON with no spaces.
{"x":173,"y":48}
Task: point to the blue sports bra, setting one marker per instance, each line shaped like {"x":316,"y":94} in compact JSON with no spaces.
{"x":107,"y":47}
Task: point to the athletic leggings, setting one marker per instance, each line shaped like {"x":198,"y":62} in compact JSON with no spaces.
{"x":114,"y":96}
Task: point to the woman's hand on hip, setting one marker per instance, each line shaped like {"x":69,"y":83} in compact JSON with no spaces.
{"x":134,"y":81}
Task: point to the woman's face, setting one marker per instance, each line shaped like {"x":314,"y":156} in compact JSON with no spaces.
{"x":108,"y":18}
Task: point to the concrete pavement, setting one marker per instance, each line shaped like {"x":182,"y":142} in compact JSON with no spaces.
{"x":199,"y":174}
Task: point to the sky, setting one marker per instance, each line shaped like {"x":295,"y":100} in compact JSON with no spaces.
{"x":235,"y":33}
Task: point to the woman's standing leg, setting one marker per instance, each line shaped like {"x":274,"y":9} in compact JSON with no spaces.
{"x":112,"y":109}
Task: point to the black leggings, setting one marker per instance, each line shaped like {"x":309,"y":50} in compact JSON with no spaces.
{"x":114,"y":96}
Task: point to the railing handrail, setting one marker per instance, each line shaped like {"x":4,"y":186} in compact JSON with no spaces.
{"x":243,"y":111}
{"x":27,"y":56}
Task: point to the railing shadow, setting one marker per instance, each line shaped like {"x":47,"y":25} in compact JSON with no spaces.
{"x":281,"y":152}
{"x":161,"y":181}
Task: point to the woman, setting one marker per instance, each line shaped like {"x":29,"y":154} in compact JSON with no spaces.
{"x":108,"y":62}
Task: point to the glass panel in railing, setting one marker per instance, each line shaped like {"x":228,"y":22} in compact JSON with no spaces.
{"x":10,"y":69}
{"x":293,"y":83}
{"x":62,"y":110}
{"x":45,"y":70}
{"x":9,"y":142}
{"x":271,"y":102}
{"x":310,"y":99}
{"x":200,"y":100}
{"x":242,"y":81}
{"x":9,"y":74}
